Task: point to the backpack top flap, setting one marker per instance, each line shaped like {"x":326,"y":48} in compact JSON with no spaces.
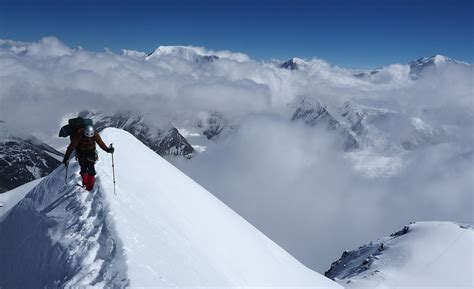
{"x":77,"y":122}
{"x":65,"y":131}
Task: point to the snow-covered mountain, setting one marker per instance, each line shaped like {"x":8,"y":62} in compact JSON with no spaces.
{"x":382,"y":129}
{"x":215,"y":126}
{"x":421,"y":255}
{"x":365,"y":127}
{"x":421,"y":134}
{"x":165,"y":140}
{"x":24,"y":159}
{"x":189,"y":53}
{"x":161,"y":229}
{"x":194,"y":54}
{"x":417,"y":67}
{"x":293,"y":64}
{"x":315,"y":114}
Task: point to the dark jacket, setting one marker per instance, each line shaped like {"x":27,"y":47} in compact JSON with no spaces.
{"x":84,"y":144}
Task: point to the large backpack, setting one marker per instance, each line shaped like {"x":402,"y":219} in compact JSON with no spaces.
{"x":74,"y":124}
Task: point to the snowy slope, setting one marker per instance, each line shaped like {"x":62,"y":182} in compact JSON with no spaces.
{"x":421,"y":255}
{"x":161,"y":229}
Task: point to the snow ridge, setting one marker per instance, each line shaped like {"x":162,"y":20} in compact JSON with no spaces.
{"x":160,"y":229}
{"x":68,"y":238}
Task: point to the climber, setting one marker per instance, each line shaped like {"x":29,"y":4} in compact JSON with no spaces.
{"x":84,"y":143}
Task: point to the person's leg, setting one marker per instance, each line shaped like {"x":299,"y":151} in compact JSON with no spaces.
{"x":84,"y":174}
{"x":85,"y":180}
{"x":91,"y":182}
{"x":90,"y":176}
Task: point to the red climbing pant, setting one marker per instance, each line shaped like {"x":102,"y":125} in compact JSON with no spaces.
{"x":88,"y":181}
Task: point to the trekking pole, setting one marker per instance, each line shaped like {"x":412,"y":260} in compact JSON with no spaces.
{"x":65,"y":177}
{"x":113,"y":168}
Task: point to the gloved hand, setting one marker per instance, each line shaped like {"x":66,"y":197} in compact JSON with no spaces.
{"x":111,"y":149}
{"x":66,"y":162}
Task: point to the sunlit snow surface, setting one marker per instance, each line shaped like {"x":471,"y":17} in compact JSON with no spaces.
{"x":160,"y":229}
{"x":175,"y":233}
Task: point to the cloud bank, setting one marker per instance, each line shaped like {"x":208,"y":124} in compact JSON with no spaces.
{"x":170,"y":82}
{"x":289,"y":181}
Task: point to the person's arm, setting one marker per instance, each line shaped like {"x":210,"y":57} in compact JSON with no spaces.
{"x":101,"y":143}
{"x":72,"y":146}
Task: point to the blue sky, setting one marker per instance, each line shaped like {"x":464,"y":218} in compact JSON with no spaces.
{"x":357,"y":34}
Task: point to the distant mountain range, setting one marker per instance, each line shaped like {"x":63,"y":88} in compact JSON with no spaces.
{"x":416,"y":67}
{"x":188,"y":53}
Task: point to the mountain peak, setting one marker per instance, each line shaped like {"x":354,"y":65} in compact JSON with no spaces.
{"x":435,"y":59}
{"x":188,"y":53}
{"x":178,"y":50}
{"x":293,"y":63}
{"x":438,"y":58}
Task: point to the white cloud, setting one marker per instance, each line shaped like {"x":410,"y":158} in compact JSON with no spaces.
{"x":291,"y":182}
